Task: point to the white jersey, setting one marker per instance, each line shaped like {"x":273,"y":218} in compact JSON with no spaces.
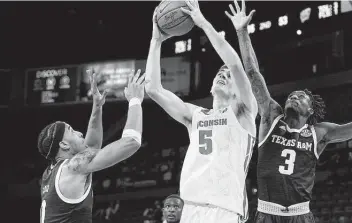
{"x":216,"y":164}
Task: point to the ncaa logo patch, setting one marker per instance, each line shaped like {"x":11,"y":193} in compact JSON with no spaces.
{"x":282,"y":129}
{"x":306,"y":133}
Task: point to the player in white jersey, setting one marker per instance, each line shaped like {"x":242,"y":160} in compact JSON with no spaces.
{"x":221,"y":139}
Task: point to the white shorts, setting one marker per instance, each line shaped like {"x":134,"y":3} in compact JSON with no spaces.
{"x":193,"y":213}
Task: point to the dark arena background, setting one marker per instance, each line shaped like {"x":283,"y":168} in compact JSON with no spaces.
{"x":46,"y":48}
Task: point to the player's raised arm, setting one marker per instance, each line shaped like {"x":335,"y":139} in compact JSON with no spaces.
{"x":91,"y":160}
{"x":173,"y":105}
{"x":227,"y":54}
{"x":332,"y":133}
{"x":268,"y":108}
{"x":94,"y":135}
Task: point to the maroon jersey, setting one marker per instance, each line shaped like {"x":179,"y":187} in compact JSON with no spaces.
{"x":286,"y":164}
{"x":55,"y":207}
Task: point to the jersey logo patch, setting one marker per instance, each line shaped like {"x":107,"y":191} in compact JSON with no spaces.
{"x":306,"y":133}
{"x":205,"y":111}
{"x":45,"y":189}
{"x":282,"y":129}
{"x":224,"y":110}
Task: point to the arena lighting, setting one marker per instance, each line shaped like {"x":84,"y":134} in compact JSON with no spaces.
{"x":299,"y":32}
{"x":283,"y":20}
{"x":305,"y":14}
{"x":183,"y":46}
{"x":264,"y":25}
{"x":189,"y":44}
{"x":328,"y":10}
{"x":251,"y":28}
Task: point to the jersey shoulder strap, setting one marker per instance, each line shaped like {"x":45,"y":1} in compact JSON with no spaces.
{"x":276,"y":120}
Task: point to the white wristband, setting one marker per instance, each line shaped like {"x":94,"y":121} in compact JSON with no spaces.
{"x":132,"y":134}
{"x":134,"y":101}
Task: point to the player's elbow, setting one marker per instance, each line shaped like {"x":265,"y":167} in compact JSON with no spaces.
{"x":152,"y":90}
{"x":132,"y":144}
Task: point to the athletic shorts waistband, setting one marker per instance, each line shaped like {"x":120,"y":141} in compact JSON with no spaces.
{"x":277,"y":209}
{"x":207,"y":205}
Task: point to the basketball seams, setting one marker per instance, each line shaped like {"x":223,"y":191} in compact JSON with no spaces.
{"x":168,"y":12}
{"x":171,"y":10}
{"x":171,"y":21}
{"x":178,"y":23}
{"x":167,"y":4}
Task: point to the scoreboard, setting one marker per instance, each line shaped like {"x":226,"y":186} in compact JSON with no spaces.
{"x":70,"y":84}
{"x":51,"y":85}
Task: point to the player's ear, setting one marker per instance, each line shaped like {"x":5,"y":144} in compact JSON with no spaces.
{"x":64,"y":145}
{"x":311,"y":111}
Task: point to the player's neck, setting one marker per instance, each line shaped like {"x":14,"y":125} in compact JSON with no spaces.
{"x":295,"y":122}
{"x":220,"y":103}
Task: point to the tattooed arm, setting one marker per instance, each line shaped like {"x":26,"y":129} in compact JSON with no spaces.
{"x":259,"y":88}
{"x":268,"y":108}
{"x":91,"y":160}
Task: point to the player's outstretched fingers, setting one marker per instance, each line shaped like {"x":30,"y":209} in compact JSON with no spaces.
{"x":105,"y":93}
{"x":191,"y":7}
{"x":232,"y":10}
{"x":228,"y":14}
{"x":136,"y":76}
{"x":186,"y":11}
{"x":141,"y":79}
{"x":243,"y":6}
{"x":237,"y":6}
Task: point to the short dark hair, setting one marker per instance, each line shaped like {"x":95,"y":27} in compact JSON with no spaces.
{"x":223,"y":68}
{"x":318,"y":105}
{"x":174,"y":196}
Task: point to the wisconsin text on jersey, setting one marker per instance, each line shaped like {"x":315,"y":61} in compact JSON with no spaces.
{"x":208,"y":123}
{"x":212,"y":122}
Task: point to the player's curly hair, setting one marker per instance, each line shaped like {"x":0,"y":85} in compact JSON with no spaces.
{"x":45,"y":140}
{"x":318,"y":105}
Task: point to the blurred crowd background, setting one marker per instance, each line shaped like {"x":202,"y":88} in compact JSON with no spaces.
{"x":46,"y":48}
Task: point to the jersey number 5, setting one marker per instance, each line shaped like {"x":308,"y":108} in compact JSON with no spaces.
{"x":205,"y":142}
{"x":290,"y":161}
{"x":42,"y":211}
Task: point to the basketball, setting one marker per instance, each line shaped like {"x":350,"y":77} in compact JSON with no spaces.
{"x":171,"y":20}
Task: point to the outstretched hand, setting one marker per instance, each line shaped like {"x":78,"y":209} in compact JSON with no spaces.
{"x":157,"y":34}
{"x":135,"y":87}
{"x":98,"y":99}
{"x":239,"y":18}
{"x":194,"y":12}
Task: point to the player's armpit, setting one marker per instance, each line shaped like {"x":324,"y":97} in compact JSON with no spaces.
{"x":267,"y":118}
{"x":244,"y":90}
{"x":79,"y":163}
{"x":332,"y":133}
{"x":173,"y":105}
{"x":272,"y":111}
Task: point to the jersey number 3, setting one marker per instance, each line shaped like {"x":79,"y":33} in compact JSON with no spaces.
{"x":205,"y":142}
{"x":290,"y":156}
